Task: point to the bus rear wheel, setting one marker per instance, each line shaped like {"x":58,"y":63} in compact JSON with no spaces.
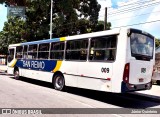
{"x":16,"y":74}
{"x":59,"y":82}
{"x":158,"y":82}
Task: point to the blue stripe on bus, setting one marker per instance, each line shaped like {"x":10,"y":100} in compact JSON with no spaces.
{"x":42,"y":65}
{"x":42,"y":41}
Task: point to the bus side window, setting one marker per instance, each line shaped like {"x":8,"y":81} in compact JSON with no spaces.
{"x":103,"y":48}
{"x":32,"y":51}
{"x":19,"y":50}
{"x":25,"y":52}
{"x":57,"y":50}
{"x":111,"y":56}
{"x":77,"y":50}
{"x":11,"y":55}
{"x":43,"y":52}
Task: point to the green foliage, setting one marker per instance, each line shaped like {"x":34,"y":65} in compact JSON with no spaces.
{"x":70,"y":17}
{"x":13,"y":2}
{"x":74,"y":16}
{"x":157,"y":42}
{"x":13,"y":32}
{"x":2,"y":1}
{"x":100,"y":26}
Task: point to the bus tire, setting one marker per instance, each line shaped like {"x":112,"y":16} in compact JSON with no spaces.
{"x":59,"y":82}
{"x":16,"y":74}
{"x":158,"y":82}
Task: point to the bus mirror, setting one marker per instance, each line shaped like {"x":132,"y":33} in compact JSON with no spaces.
{"x":128,"y":34}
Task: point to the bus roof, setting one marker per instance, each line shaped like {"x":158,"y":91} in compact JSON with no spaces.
{"x":88,"y":35}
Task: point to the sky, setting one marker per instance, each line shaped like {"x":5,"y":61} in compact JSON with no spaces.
{"x":3,"y":16}
{"x":118,"y":17}
{"x":139,"y":11}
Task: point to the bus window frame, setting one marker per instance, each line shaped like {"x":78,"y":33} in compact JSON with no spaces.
{"x":26,"y":51}
{"x":32,"y":52}
{"x":43,"y":51}
{"x":108,"y":61}
{"x":87,"y":39}
{"x":14,"y":55}
{"x":140,"y":56}
{"x":19,"y":52}
{"x":63,"y":51}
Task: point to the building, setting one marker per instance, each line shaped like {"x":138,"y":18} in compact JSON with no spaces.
{"x":2,"y":59}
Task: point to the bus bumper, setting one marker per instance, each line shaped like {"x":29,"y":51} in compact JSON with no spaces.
{"x":125,"y":87}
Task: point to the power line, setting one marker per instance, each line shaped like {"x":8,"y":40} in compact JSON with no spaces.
{"x":133,"y":9}
{"x":135,"y":4}
{"x":137,"y":24}
{"x":142,"y":23}
{"x":131,"y":4}
{"x":134,"y":16}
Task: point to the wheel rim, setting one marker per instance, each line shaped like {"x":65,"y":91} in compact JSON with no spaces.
{"x":16,"y":74}
{"x":59,"y":83}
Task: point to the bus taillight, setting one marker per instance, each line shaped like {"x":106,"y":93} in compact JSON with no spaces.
{"x":126,"y":73}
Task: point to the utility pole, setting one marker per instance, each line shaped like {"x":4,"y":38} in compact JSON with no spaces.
{"x":51,"y":19}
{"x":105,"y":19}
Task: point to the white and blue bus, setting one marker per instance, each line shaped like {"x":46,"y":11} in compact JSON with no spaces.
{"x":117,"y":60}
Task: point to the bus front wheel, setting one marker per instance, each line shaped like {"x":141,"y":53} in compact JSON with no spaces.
{"x":16,"y":74}
{"x":59,"y":82}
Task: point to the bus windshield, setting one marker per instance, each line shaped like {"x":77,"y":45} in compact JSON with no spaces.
{"x":11,"y":55}
{"x":142,"y":45}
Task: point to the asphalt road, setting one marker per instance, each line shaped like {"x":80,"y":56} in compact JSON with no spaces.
{"x":29,"y":93}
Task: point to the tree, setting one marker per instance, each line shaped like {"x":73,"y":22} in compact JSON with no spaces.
{"x":100,"y":26}
{"x":70,"y":17}
{"x":157,"y":42}
{"x":13,"y":32}
{"x":13,"y":2}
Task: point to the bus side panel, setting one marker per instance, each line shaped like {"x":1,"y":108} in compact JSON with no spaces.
{"x":95,"y":75}
{"x":38,"y":75}
{"x":69,"y":70}
{"x":118,"y":65}
{"x":10,"y":70}
{"x":94,"y":84}
{"x":36,"y":69}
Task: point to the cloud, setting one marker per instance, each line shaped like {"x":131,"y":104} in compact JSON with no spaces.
{"x":153,"y":27}
{"x":103,"y":3}
{"x":119,"y":16}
